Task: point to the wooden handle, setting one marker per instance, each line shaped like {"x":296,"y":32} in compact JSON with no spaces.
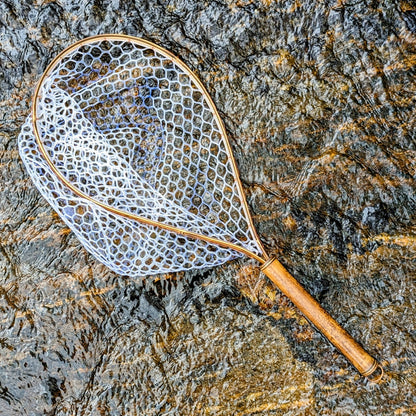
{"x":314,"y":312}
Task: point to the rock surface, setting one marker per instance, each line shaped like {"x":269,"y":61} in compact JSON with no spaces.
{"x":319,"y":102}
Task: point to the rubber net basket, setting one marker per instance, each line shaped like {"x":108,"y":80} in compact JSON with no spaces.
{"x":129,"y":126}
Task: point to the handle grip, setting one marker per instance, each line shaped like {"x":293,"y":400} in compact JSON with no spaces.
{"x":314,"y":312}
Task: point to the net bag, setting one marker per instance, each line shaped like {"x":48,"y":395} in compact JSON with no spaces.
{"x":129,"y":127}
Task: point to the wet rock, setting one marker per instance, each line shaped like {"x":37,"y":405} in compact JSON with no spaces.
{"x":318,"y":100}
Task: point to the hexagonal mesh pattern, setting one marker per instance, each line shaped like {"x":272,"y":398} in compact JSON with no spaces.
{"x":128,"y":126}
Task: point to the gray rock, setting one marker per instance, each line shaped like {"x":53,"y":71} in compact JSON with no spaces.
{"x":318,"y":100}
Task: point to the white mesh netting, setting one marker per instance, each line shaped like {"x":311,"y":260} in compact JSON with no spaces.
{"x":128,"y":127}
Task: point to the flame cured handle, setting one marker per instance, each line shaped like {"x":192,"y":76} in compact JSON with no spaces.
{"x":314,"y":312}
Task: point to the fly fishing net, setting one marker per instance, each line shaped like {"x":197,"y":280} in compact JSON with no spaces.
{"x":127,"y":146}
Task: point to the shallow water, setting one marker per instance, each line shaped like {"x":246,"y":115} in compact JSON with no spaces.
{"x":318,"y":100}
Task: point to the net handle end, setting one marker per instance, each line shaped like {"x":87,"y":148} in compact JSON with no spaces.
{"x":313,"y":311}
